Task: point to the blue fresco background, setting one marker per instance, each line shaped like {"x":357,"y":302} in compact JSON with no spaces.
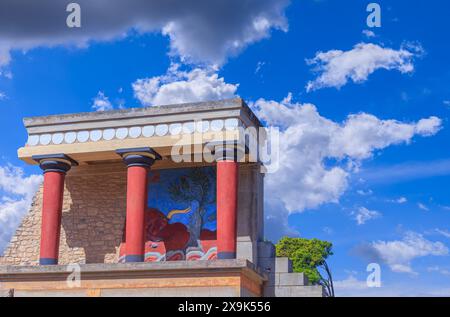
{"x":160,"y":198}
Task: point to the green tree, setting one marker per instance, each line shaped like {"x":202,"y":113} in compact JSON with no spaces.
{"x":195,"y":186}
{"x":309,"y":256}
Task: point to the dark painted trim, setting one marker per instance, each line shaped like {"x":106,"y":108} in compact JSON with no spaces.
{"x":131,"y":156}
{"x":39,"y":158}
{"x":226,"y":255}
{"x":134,"y":258}
{"x":48,"y":261}
{"x":149,"y":150}
{"x":59,"y":163}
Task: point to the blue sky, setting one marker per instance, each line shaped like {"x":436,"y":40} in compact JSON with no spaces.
{"x":398,"y":187}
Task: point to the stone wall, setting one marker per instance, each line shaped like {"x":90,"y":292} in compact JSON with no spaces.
{"x":93,"y":217}
{"x":92,"y":222}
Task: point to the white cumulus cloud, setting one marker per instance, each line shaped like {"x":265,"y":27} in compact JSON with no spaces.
{"x":101,"y":102}
{"x":200,"y":31}
{"x":399,"y":254}
{"x":309,"y":142}
{"x":182,"y":86}
{"x":362,"y":215}
{"x":335,"y":67}
{"x":317,"y":155}
{"x":16,"y":194}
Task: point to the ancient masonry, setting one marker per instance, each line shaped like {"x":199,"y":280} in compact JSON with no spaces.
{"x":139,"y":222}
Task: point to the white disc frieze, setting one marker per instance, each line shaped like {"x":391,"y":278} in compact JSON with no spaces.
{"x":82,"y":136}
{"x":45,"y":139}
{"x":161,"y":129}
{"x":109,"y":134}
{"x":57,"y":138}
{"x":33,"y":140}
{"x":95,"y":135}
{"x":135,"y":132}
{"x":175,"y":128}
{"x":121,"y":133}
{"x":148,"y":131}
{"x":70,"y":137}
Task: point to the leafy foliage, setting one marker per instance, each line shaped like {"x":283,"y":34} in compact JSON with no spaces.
{"x":309,"y":256}
{"x":196,"y":186}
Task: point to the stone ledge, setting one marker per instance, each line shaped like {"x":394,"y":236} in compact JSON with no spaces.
{"x":294,"y":291}
{"x":126,"y":269}
{"x":226,"y":278}
{"x":7,"y":292}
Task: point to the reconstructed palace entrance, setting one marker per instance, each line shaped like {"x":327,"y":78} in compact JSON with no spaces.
{"x":157,"y":201}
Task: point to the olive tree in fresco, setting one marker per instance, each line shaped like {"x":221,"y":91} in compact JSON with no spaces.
{"x":196,"y":189}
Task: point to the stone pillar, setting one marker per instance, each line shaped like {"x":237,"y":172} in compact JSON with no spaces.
{"x":227,"y":157}
{"x":55,"y":168}
{"x":138,"y":162}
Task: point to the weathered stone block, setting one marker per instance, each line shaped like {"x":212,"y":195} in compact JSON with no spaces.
{"x":283,"y":265}
{"x":275,"y":265}
{"x":294,"y":291}
{"x":292,"y":279}
{"x":7,"y":292}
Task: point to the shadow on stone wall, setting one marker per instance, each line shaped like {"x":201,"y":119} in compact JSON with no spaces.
{"x":93,"y":218}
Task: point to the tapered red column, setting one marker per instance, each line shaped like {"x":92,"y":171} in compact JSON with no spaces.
{"x":138,"y":162}
{"x":55,"y":168}
{"x":227,"y":157}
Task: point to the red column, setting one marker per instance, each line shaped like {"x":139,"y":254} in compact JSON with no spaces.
{"x":55,"y":167}
{"x":139,"y":161}
{"x":136,"y":204}
{"x":51,"y":217}
{"x":227,"y":198}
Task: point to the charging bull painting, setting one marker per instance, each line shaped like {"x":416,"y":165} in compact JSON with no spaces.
{"x":180,"y":220}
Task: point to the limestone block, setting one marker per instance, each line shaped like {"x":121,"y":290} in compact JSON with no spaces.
{"x":294,"y":291}
{"x":7,"y":292}
{"x":275,"y":265}
{"x":292,"y":279}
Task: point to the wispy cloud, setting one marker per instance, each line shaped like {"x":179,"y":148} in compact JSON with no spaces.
{"x":400,"y":200}
{"x":362,"y":215}
{"x":423,"y":207}
{"x":352,"y":286}
{"x":406,"y":171}
{"x":439,"y":270}
{"x":443,"y":232}
{"x":364,"y":193}
{"x":368,"y":33}
{"x":101,"y":102}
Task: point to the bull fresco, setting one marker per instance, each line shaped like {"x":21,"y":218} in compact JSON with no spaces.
{"x":180,"y":220}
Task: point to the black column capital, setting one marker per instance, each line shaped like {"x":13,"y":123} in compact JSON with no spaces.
{"x":54,"y":162}
{"x":144,"y":156}
{"x":228,"y":150}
